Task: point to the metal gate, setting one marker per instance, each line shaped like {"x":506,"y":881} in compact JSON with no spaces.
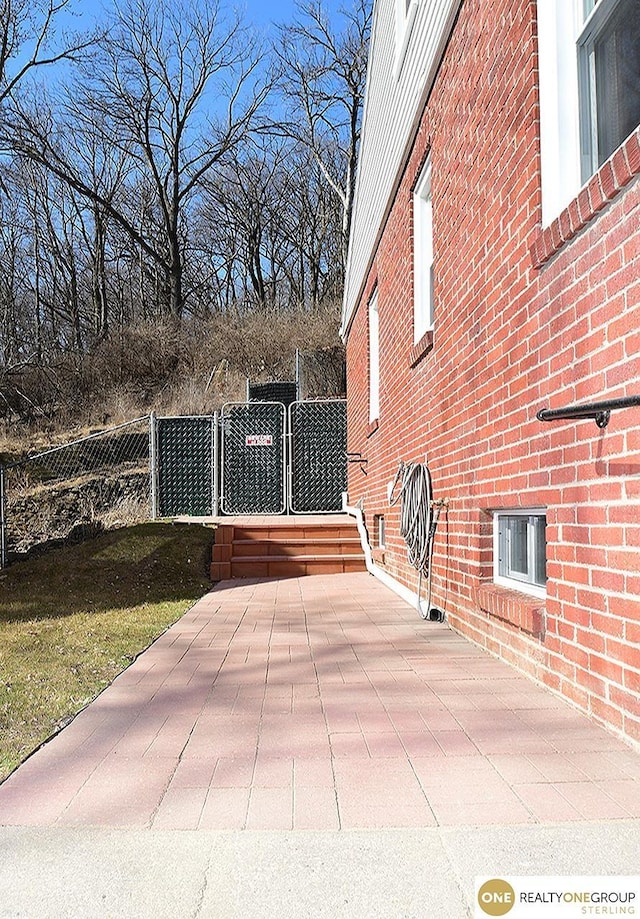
{"x":183,"y":466}
{"x":257,"y":458}
{"x":317,"y":463}
{"x":253,"y":458}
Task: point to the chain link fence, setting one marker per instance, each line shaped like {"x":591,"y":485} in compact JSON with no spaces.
{"x":75,"y":490}
{"x":321,"y":374}
{"x":247,"y":460}
{"x":318,"y":456}
{"x":185,"y":466}
{"x":253,"y":458}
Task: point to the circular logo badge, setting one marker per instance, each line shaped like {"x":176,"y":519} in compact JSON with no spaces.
{"x":496,"y":897}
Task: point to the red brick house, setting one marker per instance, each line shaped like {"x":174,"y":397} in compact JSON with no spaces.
{"x":493,"y":272}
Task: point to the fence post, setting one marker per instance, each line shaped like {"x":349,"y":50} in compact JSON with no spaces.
{"x":3,"y":521}
{"x":153,"y":466}
{"x":216,"y":465}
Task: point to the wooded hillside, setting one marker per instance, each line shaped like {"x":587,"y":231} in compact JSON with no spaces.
{"x":175,"y":201}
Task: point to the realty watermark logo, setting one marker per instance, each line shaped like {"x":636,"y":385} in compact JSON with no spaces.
{"x":496,"y":897}
{"x":548,"y":897}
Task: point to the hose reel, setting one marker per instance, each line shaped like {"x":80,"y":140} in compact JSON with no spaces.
{"x":419,"y":515}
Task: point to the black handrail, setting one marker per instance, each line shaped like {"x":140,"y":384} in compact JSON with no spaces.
{"x":353,"y":457}
{"x":600,"y":412}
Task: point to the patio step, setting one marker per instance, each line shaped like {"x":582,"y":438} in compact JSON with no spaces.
{"x":290,"y":531}
{"x":285,"y":550}
{"x":296,"y":547}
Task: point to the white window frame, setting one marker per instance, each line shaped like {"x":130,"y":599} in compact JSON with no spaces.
{"x":517,"y":583}
{"x":374,"y":359}
{"x":558,"y":23}
{"x":594,"y":25}
{"x":423,"y":315}
{"x":379,"y":528}
{"x":405,"y":17}
{"x":564,"y":28}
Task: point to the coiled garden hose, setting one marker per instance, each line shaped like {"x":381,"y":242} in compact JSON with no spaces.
{"x":419,"y":515}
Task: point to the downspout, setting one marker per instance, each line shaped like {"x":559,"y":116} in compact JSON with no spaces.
{"x":404,"y":592}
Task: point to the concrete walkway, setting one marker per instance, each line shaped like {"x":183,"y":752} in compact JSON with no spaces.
{"x":319,"y":705}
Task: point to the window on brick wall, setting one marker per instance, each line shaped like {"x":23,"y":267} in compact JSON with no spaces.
{"x":374,"y":359}
{"x":519,"y":550}
{"x":422,"y":255}
{"x":609,"y":78}
{"x":589,"y":54}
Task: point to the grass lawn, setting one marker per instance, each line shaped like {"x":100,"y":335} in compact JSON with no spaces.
{"x":72,"y":620}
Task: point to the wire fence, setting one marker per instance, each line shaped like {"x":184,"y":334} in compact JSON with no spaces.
{"x":255,"y":458}
{"x":75,"y":490}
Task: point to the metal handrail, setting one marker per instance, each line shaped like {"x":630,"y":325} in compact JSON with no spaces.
{"x":600,"y":412}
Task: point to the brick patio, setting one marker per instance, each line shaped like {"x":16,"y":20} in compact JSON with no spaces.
{"x":321,"y":703}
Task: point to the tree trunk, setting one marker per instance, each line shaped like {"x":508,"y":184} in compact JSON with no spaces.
{"x":99,"y":280}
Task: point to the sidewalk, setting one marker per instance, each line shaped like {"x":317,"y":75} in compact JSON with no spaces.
{"x":325,"y":704}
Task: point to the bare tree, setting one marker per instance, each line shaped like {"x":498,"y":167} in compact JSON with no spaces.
{"x":147,"y":185}
{"x":273,"y":229}
{"x":150,"y":92}
{"x":243,"y":201}
{"x":323,"y":77}
{"x":28,"y":40}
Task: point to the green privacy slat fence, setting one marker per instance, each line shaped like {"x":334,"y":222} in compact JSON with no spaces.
{"x":260,"y":473}
{"x":253,"y":458}
{"x":185,"y":466}
{"x":318,"y":456}
{"x":173,"y":465}
{"x":285,"y":391}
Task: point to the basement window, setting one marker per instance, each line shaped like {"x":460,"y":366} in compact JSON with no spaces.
{"x":519,"y":550}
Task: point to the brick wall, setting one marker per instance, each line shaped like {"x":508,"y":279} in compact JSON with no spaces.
{"x":524,"y":319}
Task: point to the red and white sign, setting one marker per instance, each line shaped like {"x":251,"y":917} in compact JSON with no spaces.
{"x":258,"y":440}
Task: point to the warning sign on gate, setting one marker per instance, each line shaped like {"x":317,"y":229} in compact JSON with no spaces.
{"x":258,"y":440}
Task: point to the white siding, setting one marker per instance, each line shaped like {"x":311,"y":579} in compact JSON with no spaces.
{"x":393,"y":101}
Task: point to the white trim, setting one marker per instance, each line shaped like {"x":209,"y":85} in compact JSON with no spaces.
{"x":559,"y":22}
{"x":393,"y":109}
{"x":593,"y":27}
{"x":404,"y":26}
{"x":403,"y":592}
{"x":374,"y":358}
{"x":522,"y":586}
{"x":568,"y":149}
{"x":423,"y":313}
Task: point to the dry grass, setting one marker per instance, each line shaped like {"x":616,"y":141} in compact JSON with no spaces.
{"x":171,"y":366}
{"x":72,"y":620}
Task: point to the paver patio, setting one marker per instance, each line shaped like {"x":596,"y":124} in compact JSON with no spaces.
{"x":321,"y":703}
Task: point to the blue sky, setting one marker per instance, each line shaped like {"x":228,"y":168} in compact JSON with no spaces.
{"x":261,"y":13}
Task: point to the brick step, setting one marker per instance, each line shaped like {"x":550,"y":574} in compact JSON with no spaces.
{"x":282,"y":566}
{"x":296,"y":547}
{"x":285,"y":550}
{"x":299,"y":531}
